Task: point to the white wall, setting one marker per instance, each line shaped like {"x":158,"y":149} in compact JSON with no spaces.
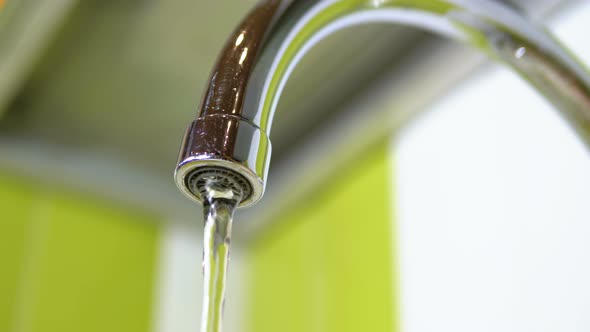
{"x":493,"y":207}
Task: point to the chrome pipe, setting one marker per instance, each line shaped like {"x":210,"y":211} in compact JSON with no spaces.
{"x":231,"y":132}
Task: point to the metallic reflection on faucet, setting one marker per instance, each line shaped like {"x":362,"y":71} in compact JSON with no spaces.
{"x":255,"y":64}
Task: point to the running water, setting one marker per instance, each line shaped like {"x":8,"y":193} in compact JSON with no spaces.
{"x":219,"y":206}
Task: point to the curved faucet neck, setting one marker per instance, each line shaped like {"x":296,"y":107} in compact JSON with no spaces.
{"x":235,"y":118}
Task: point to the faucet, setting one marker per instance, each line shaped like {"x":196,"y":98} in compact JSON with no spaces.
{"x":229,"y":139}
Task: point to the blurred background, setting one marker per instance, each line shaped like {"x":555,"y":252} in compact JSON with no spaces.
{"x":457,"y":205}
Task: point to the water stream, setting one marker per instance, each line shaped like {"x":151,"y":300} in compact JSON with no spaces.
{"x":219,"y":206}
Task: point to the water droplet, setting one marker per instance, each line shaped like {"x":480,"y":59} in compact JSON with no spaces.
{"x":520,"y":52}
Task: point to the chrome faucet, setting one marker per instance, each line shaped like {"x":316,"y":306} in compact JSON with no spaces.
{"x":229,"y":140}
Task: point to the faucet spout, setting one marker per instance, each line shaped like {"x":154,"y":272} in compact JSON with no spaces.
{"x":229,"y":137}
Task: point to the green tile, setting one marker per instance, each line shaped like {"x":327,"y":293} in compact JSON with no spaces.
{"x":328,"y":264}
{"x":71,"y":263}
{"x":95,"y":272}
{"x":15,"y":216}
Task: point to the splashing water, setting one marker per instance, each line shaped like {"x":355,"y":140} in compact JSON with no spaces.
{"x":219,"y":206}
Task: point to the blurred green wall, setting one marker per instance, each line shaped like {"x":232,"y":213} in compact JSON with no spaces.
{"x":72,"y":263}
{"x":327,"y":263}
{"x":69,"y":263}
